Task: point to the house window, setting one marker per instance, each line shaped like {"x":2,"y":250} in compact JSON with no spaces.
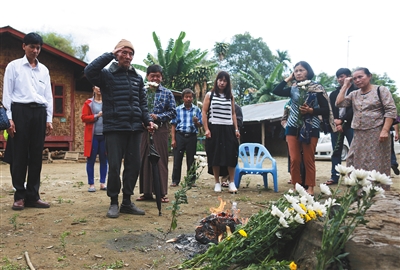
{"x":58,"y":97}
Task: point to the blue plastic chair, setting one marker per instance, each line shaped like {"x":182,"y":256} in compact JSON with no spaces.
{"x":252,"y":156}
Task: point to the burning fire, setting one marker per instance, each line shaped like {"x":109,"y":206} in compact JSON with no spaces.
{"x":220,"y":224}
{"x":220,"y":208}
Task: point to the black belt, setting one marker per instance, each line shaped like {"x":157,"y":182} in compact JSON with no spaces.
{"x":30,"y":105}
{"x":186,"y":135}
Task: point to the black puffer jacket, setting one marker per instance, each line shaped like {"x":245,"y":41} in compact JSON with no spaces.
{"x":124,"y":99}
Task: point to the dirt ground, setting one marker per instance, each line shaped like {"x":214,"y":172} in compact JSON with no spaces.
{"x":76,"y":234}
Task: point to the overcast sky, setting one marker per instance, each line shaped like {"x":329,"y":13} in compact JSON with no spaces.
{"x":326,"y":34}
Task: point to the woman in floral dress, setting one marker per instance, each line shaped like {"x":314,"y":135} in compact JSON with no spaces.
{"x":309,"y":100}
{"x":373,"y":116}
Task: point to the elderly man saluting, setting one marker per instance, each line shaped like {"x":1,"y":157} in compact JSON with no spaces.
{"x":124,"y":111}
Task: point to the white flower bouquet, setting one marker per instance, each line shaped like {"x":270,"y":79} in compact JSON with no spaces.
{"x":303,"y":89}
{"x":151,"y":85}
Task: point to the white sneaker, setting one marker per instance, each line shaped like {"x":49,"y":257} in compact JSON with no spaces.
{"x":217,"y":187}
{"x":232,"y":187}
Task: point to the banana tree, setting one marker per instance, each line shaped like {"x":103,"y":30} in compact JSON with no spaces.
{"x":261,"y":90}
{"x":181,"y":65}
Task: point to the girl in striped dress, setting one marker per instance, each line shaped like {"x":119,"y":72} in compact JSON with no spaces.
{"x":221,"y":130}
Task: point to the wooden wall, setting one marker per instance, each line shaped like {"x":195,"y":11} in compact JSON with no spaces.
{"x":68,"y":128}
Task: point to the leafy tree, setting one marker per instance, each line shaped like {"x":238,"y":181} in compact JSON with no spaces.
{"x":65,"y":44}
{"x":246,"y":52}
{"x":328,"y":82}
{"x":181,"y":65}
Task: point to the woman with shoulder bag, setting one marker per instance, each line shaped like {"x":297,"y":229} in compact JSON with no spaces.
{"x":374,"y":111}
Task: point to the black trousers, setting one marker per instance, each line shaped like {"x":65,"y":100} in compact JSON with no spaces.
{"x":124,"y":145}
{"x":183,"y":144}
{"x":27,"y":150}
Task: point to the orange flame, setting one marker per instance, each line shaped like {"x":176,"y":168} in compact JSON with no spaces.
{"x":220,"y":208}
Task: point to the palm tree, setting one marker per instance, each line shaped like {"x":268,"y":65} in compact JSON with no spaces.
{"x":283,"y":57}
{"x":181,"y":66}
{"x":220,"y":50}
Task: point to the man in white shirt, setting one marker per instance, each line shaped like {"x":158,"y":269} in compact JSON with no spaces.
{"x":27,"y":95}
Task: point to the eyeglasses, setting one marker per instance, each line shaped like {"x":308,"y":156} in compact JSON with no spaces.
{"x":125,"y":53}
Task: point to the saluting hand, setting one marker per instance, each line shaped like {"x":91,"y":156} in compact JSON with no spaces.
{"x":347,"y":82}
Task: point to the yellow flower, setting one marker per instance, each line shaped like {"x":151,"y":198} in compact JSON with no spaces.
{"x":243,"y":233}
{"x":312,"y":214}
{"x":293,"y":266}
{"x":319,"y":212}
{"x":307,"y":217}
{"x":303,"y":207}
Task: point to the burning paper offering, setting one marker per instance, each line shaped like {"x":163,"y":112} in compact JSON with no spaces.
{"x":219,"y":225}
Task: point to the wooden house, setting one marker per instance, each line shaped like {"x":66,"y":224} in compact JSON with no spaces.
{"x":70,"y":89}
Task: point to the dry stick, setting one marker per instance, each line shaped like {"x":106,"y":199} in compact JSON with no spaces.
{"x":28,"y":261}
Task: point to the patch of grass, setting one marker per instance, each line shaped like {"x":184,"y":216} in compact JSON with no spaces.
{"x":80,"y":220}
{"x":157,"y":262}
{"x":243,"y":199}
{"x":63,"y":240}
{"x":141,"y":249}
{"x":118,"y":264}
{"x":60,"y":200}
{"x":81,"y":232}
{"x":79,"y":184}
{"x":13,"y":221}
{"x":10,"y":265}
{"x":61,"y":258}
{"x":116,"y":230}
{"x":247,"y":183}
{"x":58,"y":221}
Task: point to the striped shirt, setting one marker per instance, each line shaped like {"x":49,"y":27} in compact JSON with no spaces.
{"x":220,"y":110}
{"x":184,"y":119}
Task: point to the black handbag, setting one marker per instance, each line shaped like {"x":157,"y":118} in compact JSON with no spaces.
{"x":4,"y":122}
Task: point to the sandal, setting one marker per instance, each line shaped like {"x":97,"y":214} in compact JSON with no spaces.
{"x":174,"y":184}
{"x":164,"y":200}
{"x":330,"y":182}
{"x":144,"y":198}
{"x":225,"y":184}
